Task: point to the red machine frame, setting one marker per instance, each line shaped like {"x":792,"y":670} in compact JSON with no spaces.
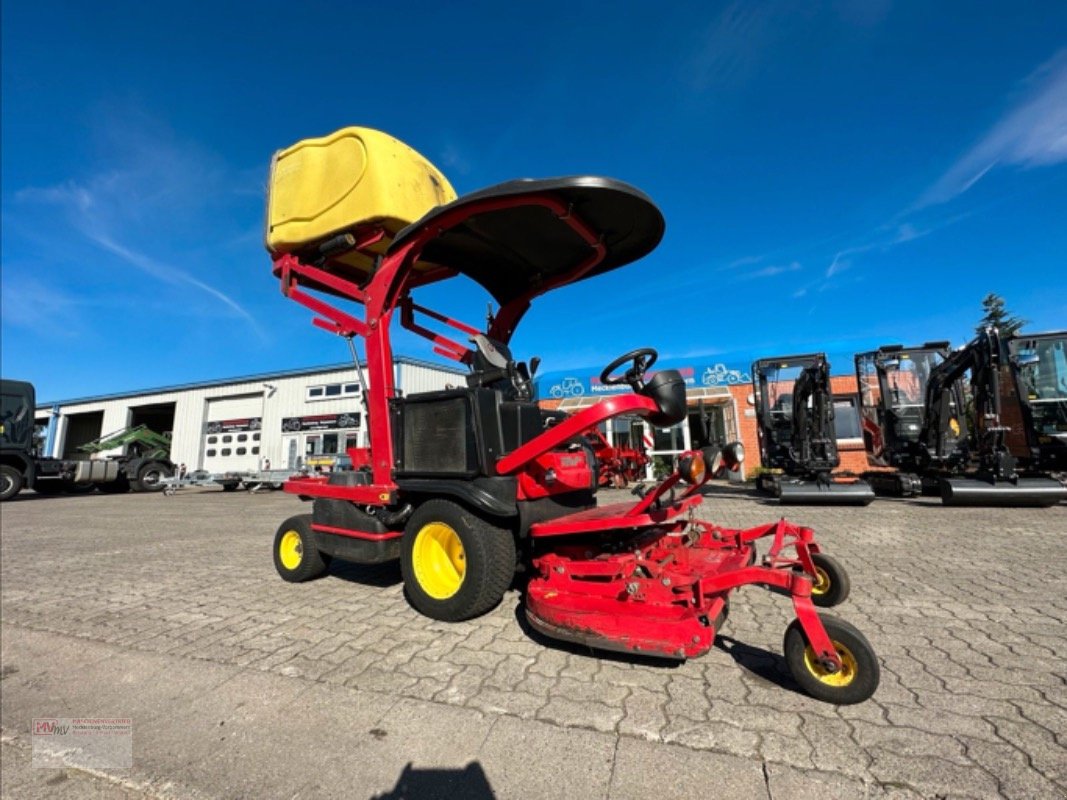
{"x":687,"y":567}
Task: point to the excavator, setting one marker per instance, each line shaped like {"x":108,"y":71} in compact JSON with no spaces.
{"x":985,"y":424}
{"x":893,"y":382}
{"x":795,"y":414}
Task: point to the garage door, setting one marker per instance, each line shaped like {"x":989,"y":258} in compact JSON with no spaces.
{"x":232,"y":433}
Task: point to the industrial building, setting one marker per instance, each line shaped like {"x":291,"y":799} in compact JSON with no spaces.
{"x":239,"y":423}
{"x":281,"y":419}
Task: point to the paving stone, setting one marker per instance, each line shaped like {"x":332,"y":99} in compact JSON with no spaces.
{"x":784,"y":781}
{"x":645,"y":715}
{"x":716,"y":736}
{"x":932,"y":776}
{"x":1015,"y":776}
{"x":973,"y":695}
{"x":644,"y":770}
{"x":571,"y":713}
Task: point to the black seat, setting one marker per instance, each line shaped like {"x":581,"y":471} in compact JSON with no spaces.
{"x":494,"y":368}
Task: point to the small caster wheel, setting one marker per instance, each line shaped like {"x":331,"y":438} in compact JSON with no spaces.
{"x":858,"y":676}
{"x":831,"y":584}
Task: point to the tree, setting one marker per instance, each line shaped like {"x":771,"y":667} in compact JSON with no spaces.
{"x":997,"y":316}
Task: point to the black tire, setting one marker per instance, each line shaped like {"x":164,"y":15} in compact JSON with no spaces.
{"x":831,"y":585}
{"x":11,"y":482}
{"x":230,"y":486}
{"x":485,"y":551}
{"x":854,"y":683}
{"x":150,"y":475}
{"x":295,"y":537}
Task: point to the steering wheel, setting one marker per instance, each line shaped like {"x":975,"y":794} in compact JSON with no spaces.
{"x":643,"y":358}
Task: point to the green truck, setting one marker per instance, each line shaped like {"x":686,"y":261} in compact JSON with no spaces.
{"x":144,"y":463}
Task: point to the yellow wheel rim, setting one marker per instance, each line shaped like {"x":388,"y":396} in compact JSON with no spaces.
{"x":821,"y":585}
{"x":291,"y":550}
{"x":438,"y":560}
{"x":843,"y":677}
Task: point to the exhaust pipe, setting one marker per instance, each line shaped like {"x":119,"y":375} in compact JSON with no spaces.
{"x":1029,"y":492}
{"x":811,"y":493}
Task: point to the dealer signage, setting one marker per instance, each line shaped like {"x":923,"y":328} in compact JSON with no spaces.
{"x":320,"y":422}
{"x":562,"y":385}
{"x":235,"y":425}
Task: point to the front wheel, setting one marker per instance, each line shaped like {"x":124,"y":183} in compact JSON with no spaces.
{"x":858,"y":676}
{"x":296,"y":557}
{"x":456,"y":565}
{"x":10,"y":482}
{"x":831,"y":584}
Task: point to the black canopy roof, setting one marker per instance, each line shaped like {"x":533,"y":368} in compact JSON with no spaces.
{"x":511,"y":250}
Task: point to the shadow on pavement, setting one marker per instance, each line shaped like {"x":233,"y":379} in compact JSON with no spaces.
{"x":380,"y":575}
{"x":764,"y":664}
{"x":470,"y":783}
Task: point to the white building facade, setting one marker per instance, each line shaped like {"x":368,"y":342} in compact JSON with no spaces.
{"x":276,"y":420}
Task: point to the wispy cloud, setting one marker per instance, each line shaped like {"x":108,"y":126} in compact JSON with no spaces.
{"x":172,"y":275}
{"x":771,"y":271}
{"x":731,"y":45}
{"x":156,"y":188}
{"x":1031,"y":133}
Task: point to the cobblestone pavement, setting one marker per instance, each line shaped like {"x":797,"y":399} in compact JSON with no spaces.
{"x":965,"y":607}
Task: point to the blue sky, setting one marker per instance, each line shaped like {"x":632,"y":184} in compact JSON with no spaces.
{"x":834,"y":176}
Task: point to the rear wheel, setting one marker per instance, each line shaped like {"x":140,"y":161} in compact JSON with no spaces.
{"x":150,"y":475}
{"x":831,"y":584}
{"x":858,"y":676}
{"x":456,"y":565}
{"x":296,"y":557}
{"x":10,"y":482}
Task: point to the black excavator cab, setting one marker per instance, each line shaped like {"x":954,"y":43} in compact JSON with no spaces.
{"x":795,"y":412}
{"x":991,"y":424}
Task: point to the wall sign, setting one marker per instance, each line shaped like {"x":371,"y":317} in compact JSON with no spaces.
{"x":234,"y":425}
{"x":563,"y":385}
{"x":320,"y":422}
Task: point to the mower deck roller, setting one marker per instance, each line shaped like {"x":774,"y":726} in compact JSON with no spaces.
{"x":463,"y":484}
{"x":1024,"y":492}
{"x":813,"y":493}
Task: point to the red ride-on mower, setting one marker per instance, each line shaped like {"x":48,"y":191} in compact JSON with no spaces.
{"x":616,"y":466}
{"x":463,"y":484}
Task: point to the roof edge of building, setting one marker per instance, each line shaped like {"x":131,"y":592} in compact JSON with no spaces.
{"x":263,"y":376}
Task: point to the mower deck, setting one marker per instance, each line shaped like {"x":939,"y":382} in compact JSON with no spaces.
{"x":661,"y":591}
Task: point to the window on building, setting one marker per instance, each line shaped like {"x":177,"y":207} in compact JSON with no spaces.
{"x":329,"y":444}
{"x":213,"y":440}
{"x":255,"y":451}
{"x":227,"y":439}
{"x":255,"y":437}
{"x":846,"y":419}
{"x":330,"y":391}
{"x":226,"y":451}
{"x":241,"y":451}
{"x":351,"y":440}
{"x":242,"y":437}
{"x":212,"y":453}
